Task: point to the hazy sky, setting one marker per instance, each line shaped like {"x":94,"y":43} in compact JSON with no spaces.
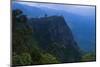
{"x":84,"y":10}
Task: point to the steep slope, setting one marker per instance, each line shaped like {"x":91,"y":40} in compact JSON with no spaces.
{"x":82,"y":26}
{"x":55,"y":36}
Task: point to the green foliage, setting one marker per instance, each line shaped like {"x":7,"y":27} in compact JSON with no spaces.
{"x":25,"y":58}
{"x":89,"y":57}
{"x":20,"y":41}
{"x":22,"y":59}
{"x":40,"y":57}
{"x":69,"y":54}
{"x":16,"y":59}
{"x":48,"y":59}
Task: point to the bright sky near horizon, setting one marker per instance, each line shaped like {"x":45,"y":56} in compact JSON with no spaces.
{"x":93,"y":2}
{"x":84,"y":10}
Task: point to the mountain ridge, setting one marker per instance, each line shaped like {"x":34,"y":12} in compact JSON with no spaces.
{"x":81,"y":26}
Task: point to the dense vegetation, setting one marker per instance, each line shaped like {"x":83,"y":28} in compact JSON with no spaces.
{"x":25,"y":47}
{"x":28,"y":44}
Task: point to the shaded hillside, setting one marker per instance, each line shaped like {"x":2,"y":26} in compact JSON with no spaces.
{"x":25,"y":49}
{"x":55,"y":36}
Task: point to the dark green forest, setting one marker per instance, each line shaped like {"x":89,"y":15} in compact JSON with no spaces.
{"x":32,"y":45}
{"x":25,"y":48}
